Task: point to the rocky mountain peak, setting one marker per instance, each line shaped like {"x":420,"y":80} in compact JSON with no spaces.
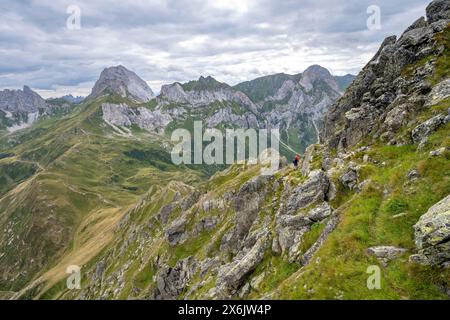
{"x":25,"y":100}
{"x":21,"y":108}
{"x":204,"y":84}
{"x":121,"y":81}
{"x":315,"y":73}
{"x":207,"y":79}
{"x":27,"y":89}
{"x":71,"y":99}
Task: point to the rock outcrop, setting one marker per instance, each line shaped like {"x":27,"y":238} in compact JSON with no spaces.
{"x":294,"y":104}
{"x":247,"y":203}
{"x":176,"y":232}
{"x":387,"y":95}
{"x":172,"y":281}
{"x":314,"y":190}
{"x":386,"y":253}
{"x":438,"y":10}
{"x":432,"y":235}
{"x":232,"y":275}
{"x":423,"y":131}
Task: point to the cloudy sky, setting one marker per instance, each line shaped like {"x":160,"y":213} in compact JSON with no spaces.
{"x":178,"y":40}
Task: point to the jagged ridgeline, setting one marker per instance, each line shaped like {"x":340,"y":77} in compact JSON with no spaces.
{"x":96,"y":188}
{"x":294,"y":104}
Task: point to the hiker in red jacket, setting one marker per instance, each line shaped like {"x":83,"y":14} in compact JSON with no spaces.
{"x":296,"y":161}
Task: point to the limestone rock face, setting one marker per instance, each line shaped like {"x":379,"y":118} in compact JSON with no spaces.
{"x":203,"y":92}
{"x":125,"y":83}
{"x":215,"y":102}
{"x":294,"y":103}
{"x":432,"y":234}
{"x":226,"y":115}
{"x":121,"y":115}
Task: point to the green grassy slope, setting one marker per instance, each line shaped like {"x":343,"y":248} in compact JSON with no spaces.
{"x":60,"y":173}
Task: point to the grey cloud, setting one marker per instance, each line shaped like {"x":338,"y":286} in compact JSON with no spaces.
{"x":177,"y":40}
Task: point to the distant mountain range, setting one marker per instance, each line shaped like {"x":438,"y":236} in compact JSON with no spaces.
{"x":71,"y":99}
{"x":293,"y":103}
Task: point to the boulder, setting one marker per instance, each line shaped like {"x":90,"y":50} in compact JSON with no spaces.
{"x":386,"y":253}
{"x":207,"y":224}
{"x":413,"y":175}
{"x":320,"y":213}
{"x":432,"y":234}
{"x":397,"y":117}
{"x":440,"y":92}
{"x":313,"y":190}
{"x":424,"y":130}
{"x":350,"y":177}
{"x":437,"y":153}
